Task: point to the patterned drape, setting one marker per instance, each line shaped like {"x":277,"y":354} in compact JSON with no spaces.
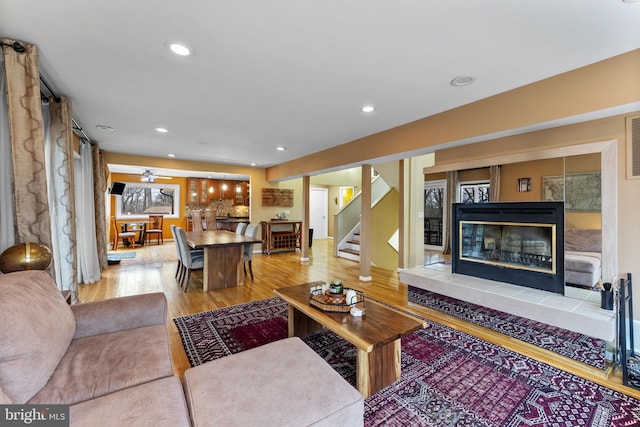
{"x":7,"y":220}
{"x":494,"y":184}
{"x":27,"y":144}
{"x":99,"y":189}
{"x":61,"y":187}
{"x":452,"y":191}
{"x":89,"y":270}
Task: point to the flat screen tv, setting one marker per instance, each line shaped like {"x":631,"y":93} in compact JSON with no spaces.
{"x":117,"y":188}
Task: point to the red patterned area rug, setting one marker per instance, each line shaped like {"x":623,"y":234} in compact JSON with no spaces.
{"x":582,"y":348}
{"x":449,"y":378}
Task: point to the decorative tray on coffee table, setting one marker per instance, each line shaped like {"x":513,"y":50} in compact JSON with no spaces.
{"x":327,"y":301}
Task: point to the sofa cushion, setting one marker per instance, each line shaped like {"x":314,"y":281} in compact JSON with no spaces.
{"x":37,"y":327}
{"x":283,"y":383}
{"x":97,"y":365}
{"x":159,"y":403}
{"x":584,"y":262}
{"x":584,"y":240}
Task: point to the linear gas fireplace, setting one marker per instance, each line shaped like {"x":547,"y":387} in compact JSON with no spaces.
{"x":518,"y":243}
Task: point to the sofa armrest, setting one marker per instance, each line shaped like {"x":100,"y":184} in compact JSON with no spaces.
{"x":117,"y":314}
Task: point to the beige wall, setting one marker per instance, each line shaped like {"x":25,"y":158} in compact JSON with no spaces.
{"x":385,"y":219}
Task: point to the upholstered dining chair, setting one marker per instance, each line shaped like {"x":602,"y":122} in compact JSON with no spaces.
{"x":196,"y":221}
{"x":252,"y":231}
{"x":195,"y":253}
{"x":190,"y":262}
{"x":240,"y":228}
{"x":154,"y":228}
{"x":175,"y":240}
{"x":122,"y":236}
{"x":210,"y":219}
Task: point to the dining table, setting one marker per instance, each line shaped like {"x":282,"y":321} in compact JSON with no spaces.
{"x":223,"y":257}
{"x":136,"y":226}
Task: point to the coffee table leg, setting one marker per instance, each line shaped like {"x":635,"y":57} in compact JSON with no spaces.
{"x":299,"y":324}
{"x":377,"y":369}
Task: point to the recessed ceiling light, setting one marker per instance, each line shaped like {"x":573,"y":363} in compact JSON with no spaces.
{"x":105,"y":127}
{"x":253,"y":164}
{"x":462,"y":81}
{"x":281,"y":148}
{"x":162,"y":130}
{"x":368,"y":109}
{"x":171,"y":155}
{"x":631,"y":1}
{"x":180,"y":49}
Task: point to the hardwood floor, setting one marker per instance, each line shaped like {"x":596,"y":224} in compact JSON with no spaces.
{"x":153,"y":269}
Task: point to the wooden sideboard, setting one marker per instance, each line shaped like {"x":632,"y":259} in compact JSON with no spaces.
{"x":281,"y":235}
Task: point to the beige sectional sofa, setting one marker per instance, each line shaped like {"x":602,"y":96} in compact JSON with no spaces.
{"x":110,"y":361}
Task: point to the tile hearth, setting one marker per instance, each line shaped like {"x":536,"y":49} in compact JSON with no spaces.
{"x":579,"y":310}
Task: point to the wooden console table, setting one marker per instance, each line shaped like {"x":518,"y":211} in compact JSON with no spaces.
{"x":281,"y":235}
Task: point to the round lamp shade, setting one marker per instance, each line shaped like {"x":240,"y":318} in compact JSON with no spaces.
{"x":25,"y":256}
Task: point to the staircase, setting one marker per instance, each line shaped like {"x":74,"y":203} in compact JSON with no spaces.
{"x":347,"y":221}
{"x":350,"y":249}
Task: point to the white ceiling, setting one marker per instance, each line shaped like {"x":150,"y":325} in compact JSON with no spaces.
{"x":296,"y":73}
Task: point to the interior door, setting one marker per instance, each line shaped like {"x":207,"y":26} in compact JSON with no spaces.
{"x":319,"y":212}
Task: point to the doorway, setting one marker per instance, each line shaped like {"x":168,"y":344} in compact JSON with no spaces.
{"x":319,"y":212}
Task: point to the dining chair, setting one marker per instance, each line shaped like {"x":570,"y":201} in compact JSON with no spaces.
{"x":155,"y":224}
{"x":196,"y":221}
{"x":210,"y":219}
{"x":175,"y":240}
{"x":252,"y":231}
{"x":127,"y":236}
{"x":190,"y":262}
{"x":195,"y":253}
{"x":240,"y":228}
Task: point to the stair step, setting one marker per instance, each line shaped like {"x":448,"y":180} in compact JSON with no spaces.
{"x":350,"y":251}
{"x":354,"y":242}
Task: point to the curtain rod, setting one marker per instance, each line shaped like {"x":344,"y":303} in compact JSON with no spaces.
{"x":16,"y":46}
{"x":74,"y":123}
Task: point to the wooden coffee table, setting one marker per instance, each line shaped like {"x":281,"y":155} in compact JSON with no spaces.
{"x":376,"y":335}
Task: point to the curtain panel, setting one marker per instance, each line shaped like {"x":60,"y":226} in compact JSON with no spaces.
{"x":60,"y":168}
{"x":88,"y":265}
{"x":100,"y":174}
{"x":452,"y":191}
{"x":22,"y":78}
{"x":494,"y":183}
{"x":7,"y":213}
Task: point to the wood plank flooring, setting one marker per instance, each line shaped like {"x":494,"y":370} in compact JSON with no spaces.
{"x":153,"y":269}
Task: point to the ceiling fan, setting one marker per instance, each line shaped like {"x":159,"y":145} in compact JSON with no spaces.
{"x":148,"y":176}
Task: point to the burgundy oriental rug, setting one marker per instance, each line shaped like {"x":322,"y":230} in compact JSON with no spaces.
{"x":449,"y":378}
{"x":582,"y":348}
